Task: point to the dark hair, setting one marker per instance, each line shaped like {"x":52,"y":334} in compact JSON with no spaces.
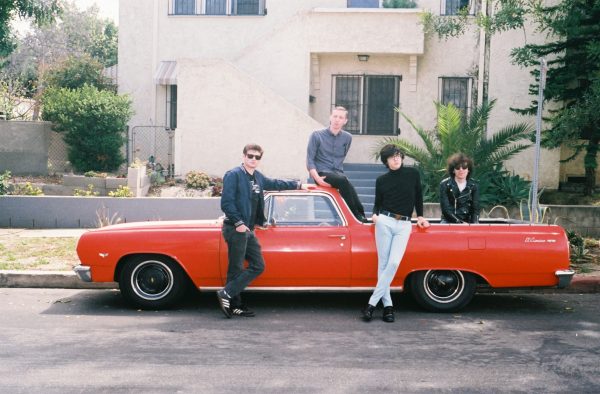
{"x":389,"y":150}
{"x":255,"y":147}
{"x":458,"y":159}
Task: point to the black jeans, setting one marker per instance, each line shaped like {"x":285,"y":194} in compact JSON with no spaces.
{"x":241,"y":246}
{"x":340,"y":182}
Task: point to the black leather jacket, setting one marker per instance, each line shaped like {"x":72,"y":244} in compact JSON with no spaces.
{"x":457,"y":206}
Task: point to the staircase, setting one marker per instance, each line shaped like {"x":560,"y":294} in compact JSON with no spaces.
{"x":362,"y":177}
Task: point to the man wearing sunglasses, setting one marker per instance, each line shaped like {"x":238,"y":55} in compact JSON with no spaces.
{"x":459,"y":194}
{"x":327,"y":149}
{"x":242,"y":201}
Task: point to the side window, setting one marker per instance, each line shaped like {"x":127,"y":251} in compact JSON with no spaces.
{"x":184,"y":7}
{"x":456,"y":90}
{"x":454,"y":7}
{"x":288,"y":210}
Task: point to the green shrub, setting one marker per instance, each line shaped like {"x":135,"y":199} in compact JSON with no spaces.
{"x":217,"y":186}
{"x":92,"y":174}
{"x":122,"y":191}
{"x":89,"y":192}
{"x":93,"y":122}
{"x":197,"y":180}
{"x":500,"y":187}
{"x":27,"y":190}
{"x":399,"y":4}
{"x":4,"y":182}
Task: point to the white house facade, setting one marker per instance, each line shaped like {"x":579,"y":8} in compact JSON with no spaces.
{"x":218,"y":74}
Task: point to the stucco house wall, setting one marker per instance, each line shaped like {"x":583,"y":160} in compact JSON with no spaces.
{"x":247,"y":79}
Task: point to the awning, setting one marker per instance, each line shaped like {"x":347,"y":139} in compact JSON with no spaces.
{"x":166,"y":73}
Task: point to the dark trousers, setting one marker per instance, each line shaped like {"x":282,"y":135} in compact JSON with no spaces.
{"x":340,"y":182}
{"x":241,"y":246}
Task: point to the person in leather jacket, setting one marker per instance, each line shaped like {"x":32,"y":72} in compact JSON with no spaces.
{"x":459,"y":194}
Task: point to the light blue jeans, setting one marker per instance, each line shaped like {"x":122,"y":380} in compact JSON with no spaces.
{"x":391,"y":237}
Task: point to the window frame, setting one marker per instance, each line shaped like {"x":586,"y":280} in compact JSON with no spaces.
{"x":340,"y":219}
{"x":469,"y":92}
{"x":363,"y":100}
{"x":444,"y":8}
{"x":231,"y":8}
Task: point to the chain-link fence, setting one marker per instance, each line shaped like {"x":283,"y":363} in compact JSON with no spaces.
{"x":58,"y":158}
{"x":154,"y":145}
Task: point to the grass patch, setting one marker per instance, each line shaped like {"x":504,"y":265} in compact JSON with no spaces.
{"x":24,"y":253}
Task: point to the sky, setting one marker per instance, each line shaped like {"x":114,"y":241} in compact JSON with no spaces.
{"x":108,"y":8}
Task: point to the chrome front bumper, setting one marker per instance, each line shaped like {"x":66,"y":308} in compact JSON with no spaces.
{"x":83,"y":272}
{"x":564,"y":278}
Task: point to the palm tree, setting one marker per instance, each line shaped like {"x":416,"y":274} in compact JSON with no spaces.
{"x":454,"y":133}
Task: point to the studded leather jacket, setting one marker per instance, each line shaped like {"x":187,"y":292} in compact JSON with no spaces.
{"x":459,"y":206}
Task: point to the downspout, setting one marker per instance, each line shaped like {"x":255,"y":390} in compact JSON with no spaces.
{"x":484,"y":59}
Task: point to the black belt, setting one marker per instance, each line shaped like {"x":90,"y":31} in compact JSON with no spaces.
{"x":394,"y":215}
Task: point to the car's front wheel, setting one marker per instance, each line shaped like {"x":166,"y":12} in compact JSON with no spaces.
{"x":442,"y":290}
{"x":152,"y":282}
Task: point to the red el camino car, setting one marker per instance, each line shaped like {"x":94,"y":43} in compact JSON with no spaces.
{"x":312,"y":242}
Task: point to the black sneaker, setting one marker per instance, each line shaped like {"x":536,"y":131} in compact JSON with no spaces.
{"x":225,"y":303}
{"x":242,"y":311}
{"x":367,"y":313}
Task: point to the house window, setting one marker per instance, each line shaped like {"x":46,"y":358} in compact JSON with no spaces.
{"x":453,"y":7}
{"x":172,"y":106}
{"x":456,"y":90}
{"x":363,"y":4}
{"x":184,"y":7}
{"x":217,"y":7}
{"x":370,"y":100}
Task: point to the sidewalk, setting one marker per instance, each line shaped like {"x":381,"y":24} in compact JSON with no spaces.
{"x":581,"y":283}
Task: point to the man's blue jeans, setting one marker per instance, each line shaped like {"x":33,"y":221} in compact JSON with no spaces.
{"x":240,"y":247}
{"x":391,"y":237}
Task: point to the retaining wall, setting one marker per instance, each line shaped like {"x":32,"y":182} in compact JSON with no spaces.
{"x":84,"y":212}
{"x":24,"y":147}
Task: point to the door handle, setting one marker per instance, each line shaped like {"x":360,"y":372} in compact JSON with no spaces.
{"x":340,"y":236}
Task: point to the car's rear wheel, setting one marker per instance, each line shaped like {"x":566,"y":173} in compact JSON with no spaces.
{"x":442,"y":290}
{"x":152,"y":282}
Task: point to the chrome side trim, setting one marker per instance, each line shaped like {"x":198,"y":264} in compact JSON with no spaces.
{"x":564,"y":277}
{"x":305,"y":289}
{"x":83,"y":272}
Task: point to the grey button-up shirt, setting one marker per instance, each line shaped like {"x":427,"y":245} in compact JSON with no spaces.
{"x":326,"y":152}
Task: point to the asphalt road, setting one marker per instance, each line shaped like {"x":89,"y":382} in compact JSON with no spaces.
{"x":54,"y":340}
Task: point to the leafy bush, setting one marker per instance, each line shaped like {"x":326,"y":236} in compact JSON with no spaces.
{"x":89,"y":192}
{"x":4,"y":181}
{"x":77,"y":71}
{"x":122,"y":191}
{"x":455,"y":133}
{"x":92,"y":174}
{"x":399,"y":4}
{"x":197,"y":180}
{"x":217,"y":186}
{"x":93,"y":122}
{"x":500,"y":187}
{"x":27,"y":190}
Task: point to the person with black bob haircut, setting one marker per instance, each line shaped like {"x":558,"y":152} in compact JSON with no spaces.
{"x":397,"y":194}
{"x":459,"y":193}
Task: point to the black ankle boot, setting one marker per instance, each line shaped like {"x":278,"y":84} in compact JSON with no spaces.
{"x":367,"y":313}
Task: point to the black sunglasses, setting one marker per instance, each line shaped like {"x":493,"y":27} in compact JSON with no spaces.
{"x":464,"y":166}
{"x":251,"y":156}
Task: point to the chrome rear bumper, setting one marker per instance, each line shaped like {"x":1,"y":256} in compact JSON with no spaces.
{"x":83,"y":272}
{"x":564,"y":278}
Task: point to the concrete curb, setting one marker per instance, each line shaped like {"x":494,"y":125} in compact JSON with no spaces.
{"x":49,"y":279}
{"x":68,"y":280}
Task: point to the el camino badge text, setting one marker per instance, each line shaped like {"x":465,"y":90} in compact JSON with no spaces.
{"x":538,"y":241}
